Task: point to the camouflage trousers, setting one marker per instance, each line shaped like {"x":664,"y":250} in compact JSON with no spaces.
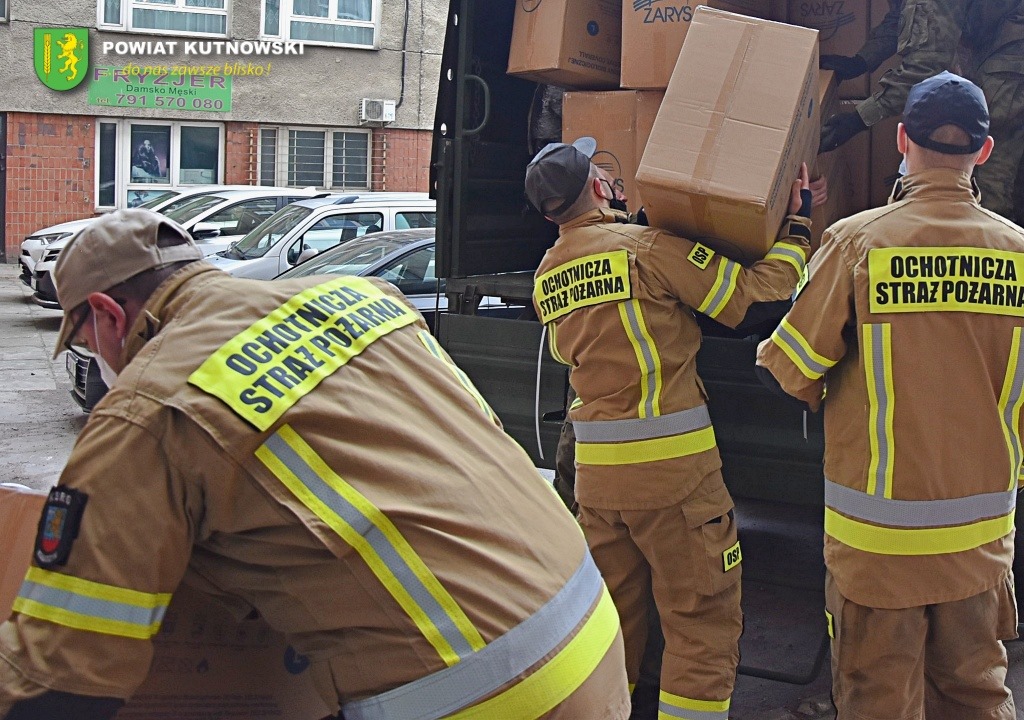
{"x":1001,"y":78}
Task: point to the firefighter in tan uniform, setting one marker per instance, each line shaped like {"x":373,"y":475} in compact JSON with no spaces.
{"x":616,"y":300}
{"x":909,"y":328}
{"x":304,"y":448}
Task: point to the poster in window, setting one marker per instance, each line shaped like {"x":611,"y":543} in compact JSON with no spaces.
{"x":150,"y":153}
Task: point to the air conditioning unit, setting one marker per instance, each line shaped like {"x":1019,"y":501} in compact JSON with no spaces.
{"x":376,"y":111}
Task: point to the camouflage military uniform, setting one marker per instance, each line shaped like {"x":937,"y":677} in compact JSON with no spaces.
{"x":980,"y":39}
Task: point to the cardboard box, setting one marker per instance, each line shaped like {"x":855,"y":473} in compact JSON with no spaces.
{"x":828,"y":94}
{"x":206,"y":664}
{"x":653,"y":33}
{"x":842,"y":26}
{"x":575,"y":44}
{"x":739,"y":116}
{"x":621,"y":122}
{"x":885,"y":159}
{"x":20,"y":509}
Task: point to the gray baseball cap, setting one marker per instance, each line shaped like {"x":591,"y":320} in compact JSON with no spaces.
{"x":559,"y":172}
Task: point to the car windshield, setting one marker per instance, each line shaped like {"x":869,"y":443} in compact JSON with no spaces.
{"x":352,"y":258}
{"x":262,"y":237}
{"x":190,"y":209}
{"x":157,"y":200}
{"x":179,"y":202}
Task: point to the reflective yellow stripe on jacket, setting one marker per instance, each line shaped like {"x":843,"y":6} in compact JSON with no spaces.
{"x":873,"y":521}
{"x":639,"y":440}
{"x":434,"y":349}
{"x":92,"y":606}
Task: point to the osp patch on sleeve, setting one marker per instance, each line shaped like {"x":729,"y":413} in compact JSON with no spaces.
{"x":58,"y":526}
{"x":732,"y":557}
{"x":700,"y":255}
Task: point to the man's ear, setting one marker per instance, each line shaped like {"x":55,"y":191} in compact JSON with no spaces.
{"x":901,"y":139}
{"x":108,"y":310}
{"x":598,"y":187}
{"x":986,"y":151}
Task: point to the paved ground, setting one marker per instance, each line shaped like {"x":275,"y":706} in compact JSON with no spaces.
{"x":782,"y":561}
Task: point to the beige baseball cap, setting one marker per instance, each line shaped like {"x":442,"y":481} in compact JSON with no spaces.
{"x":112,"y":249}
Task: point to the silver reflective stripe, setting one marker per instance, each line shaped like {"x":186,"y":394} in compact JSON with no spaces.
{"x":598,"y":431}
{"x":717,"y":303}
{"x":649,"y":370}
{"x":380,"y":544}
{"x":918,"y":513}
{"x":678,"y":712}
{"x":788,"y":252}
{"x":1010,"y":409}
{"x":503,"y":660}
{"x":783,"y":333}
{"x":878,"y":369}
{"x":91,"y":607}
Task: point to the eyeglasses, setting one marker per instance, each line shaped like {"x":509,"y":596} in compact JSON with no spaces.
{"x":70,"y":343}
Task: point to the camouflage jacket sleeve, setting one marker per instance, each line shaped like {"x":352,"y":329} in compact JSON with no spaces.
{"x":881,"y":43}
{"x":810,"y":339}
{"x":723,"y":289}
{"x":927,"y":40}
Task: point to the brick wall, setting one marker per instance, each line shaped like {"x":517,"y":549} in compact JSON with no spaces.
{"x":400,"y":160}
{"x":49,"y":173}
{"x":240,"y":157}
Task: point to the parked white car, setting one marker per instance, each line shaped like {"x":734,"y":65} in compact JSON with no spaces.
{"x":33,"y":248}
{"x":215,"y":220}
{"x":308,"y":227}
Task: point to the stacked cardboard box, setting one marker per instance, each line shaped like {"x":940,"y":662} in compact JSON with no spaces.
{"x":739,"y":117}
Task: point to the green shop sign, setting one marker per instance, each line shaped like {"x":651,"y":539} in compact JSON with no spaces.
{"x":181,"y":87}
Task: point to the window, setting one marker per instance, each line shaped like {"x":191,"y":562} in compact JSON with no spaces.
{"x":406,"y":220}
{"x":136,"y":160}
{"x":243,"y":217}
{"x":413,"y":273}
{"x":334,"y":230}
{"x":3,"y":11}
{"x":349,"y":23}
{"x":303,"y":157}
{"x":172,"y":17}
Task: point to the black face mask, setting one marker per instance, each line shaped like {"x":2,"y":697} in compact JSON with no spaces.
{"x":615,"y":203}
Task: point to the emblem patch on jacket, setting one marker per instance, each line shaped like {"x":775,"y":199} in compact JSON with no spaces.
{"x":58,"y":526}
{"x":701,"y":255}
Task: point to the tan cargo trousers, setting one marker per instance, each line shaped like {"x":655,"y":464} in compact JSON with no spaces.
{"x":678,"y":553}
{"x":940,"y":662}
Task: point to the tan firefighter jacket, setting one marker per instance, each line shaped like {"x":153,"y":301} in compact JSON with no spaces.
{"x":910,"y":329}
{"x":618,"y":302}
{"x":307,"y":449}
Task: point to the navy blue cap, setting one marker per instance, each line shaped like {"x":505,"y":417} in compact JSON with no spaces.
{"x":946,"y":99}
{"x":559,"y":172}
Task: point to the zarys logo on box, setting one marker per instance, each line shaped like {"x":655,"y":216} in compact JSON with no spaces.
{"x":655,"y":12}
{"x":825,"y":16}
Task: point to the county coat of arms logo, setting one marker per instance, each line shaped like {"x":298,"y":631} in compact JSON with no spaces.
{"x":61,"y":56}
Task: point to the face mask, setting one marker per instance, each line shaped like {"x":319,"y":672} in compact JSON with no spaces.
{"x":614,"y":203}
{"x":903,"y":166}
{"x":107,"y":373}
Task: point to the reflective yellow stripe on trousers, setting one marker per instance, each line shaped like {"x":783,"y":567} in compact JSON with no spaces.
{"x":87,"y":605}
{"x":917,"y":527}
{"x":672,"y":707}
{"x":377,"y":541}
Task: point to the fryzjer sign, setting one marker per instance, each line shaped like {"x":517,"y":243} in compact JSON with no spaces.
{"x":179,"y":88}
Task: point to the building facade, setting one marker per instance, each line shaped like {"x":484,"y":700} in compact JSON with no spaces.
{"x":335,"y":94}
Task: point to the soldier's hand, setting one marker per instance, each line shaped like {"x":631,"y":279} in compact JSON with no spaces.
{"x":819,"y":191}
{"x":800,"y":197}
{"x":843,"y":66}
{"x":839,"y":129}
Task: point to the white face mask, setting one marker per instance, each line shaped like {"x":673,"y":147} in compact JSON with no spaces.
{"x":903,"y":166}
{"x":107,"y":373}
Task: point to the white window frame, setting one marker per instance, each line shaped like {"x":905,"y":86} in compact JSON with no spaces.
{"x":5,"y":15}
{"x":287,"y":15}
{"x":125,"y":22}
{"x":281,"y":155}
{"x":123,"y":153}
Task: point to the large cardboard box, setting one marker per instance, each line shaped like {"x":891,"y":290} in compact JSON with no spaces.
{"x":842,"y":26}
{"x":739,"y":116}
{"x":653,"y":33}
{"x":206,"y":664}
{"x":574,"y":44}
{"x":621,"y":122}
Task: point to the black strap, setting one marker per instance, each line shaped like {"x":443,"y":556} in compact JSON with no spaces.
{"x":55,"y":705}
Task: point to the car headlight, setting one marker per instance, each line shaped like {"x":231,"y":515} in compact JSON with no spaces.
{"x":51,"y":237}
